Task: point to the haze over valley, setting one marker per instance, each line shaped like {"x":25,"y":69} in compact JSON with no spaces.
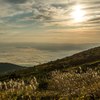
{"x":30,"y":54}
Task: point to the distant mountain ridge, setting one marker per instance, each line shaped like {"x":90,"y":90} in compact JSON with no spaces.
{"x":8,"y":67}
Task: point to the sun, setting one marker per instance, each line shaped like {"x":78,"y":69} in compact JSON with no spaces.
{"x":78,"y":14}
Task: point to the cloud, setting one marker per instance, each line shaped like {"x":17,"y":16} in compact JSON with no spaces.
{"x":94,"y":20}
{"x":59,"y":13}
{"x":14,"y":7}
{"x":2,"y":34}
{"x":15,"y":1}
{"x":49,"y":12}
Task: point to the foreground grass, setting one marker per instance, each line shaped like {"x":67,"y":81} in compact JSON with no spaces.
{"x":60,"y":85}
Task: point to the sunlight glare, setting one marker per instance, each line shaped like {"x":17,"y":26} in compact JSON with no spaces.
{"x":78,"y":14}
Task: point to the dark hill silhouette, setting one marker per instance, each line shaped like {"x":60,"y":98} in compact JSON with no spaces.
{"x":8,"y":67}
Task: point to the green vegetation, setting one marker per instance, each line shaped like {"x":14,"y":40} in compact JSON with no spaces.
{"x":72,"y":78}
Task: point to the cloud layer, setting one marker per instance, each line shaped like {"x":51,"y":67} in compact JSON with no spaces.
{"x":15,"y":1}
{"x":50,"y":10}
{"x":29,"y":54}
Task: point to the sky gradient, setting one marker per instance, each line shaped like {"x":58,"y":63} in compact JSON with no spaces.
{"x":49,"y":21}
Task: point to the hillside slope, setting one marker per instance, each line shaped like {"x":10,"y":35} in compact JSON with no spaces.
{"x":79,"y":59}
{"x":89,"y":58}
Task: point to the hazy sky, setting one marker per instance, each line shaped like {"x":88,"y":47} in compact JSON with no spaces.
{"x":50,"y":21}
